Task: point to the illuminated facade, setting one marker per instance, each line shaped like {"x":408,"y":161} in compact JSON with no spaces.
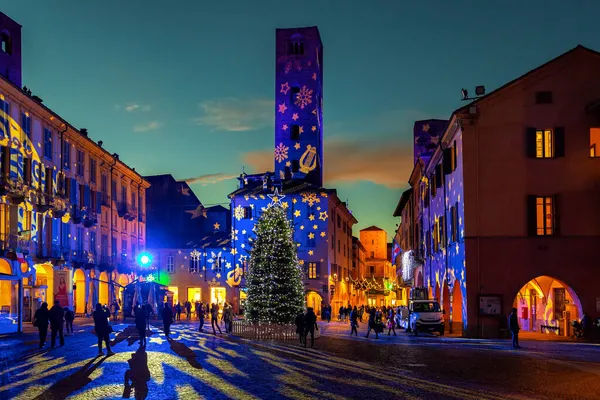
{"x":71,"y":213}
{"x":380,"y":274}
{"x":506,"y":199}
{"x":191,"y":245}
{"x":322,"y":223}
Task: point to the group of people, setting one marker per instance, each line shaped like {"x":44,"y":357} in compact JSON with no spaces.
{"x":56,"y":317}
{"x":306,"y":323}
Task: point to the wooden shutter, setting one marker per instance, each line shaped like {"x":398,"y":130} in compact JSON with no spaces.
{"x":555,"y":209}
{"x":530,"y":142}
{"x":559,"y":142}
{"x":531,"y":215}
{"x":447,"y":160}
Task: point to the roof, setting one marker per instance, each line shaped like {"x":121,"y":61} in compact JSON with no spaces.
{"x":217,"y":208}
{"x":212,"y":241}
{"x":404,"y":198}
{"x":372,"y":228}
{"x":578,"y":48}
{"x":291,"y":186}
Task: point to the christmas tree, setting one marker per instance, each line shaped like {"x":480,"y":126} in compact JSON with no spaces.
{"x":274,"y":280}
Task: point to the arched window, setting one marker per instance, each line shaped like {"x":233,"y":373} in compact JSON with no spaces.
{"x":6,"y":43}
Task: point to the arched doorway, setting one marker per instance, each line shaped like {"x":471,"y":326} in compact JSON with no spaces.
{"x":314,"y":300}
{"x":419,"y":279}
{"x":44,"y":282}
{"x":79,"y":296}
{"x":123,"y":281}
{"x":547,"y":305}
{"x":457,"y":308}
{"x":103,"y":289}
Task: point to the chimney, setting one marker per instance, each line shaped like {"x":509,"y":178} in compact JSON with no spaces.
{"x":83,"y":132}
{"x":100,"y":143}
{"x":115,"y":156}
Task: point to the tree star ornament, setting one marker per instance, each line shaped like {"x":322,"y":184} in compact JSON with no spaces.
{"x":275,"y":198}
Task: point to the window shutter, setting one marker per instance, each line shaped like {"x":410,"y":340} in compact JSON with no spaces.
{"x":555,"y":210}
{"x":447,"y":160}
{"x":439,"y":176}
{"x":73,"y":198}
{"x":531,"y":215}
{"x":98,"y":202}
{"x":559,"y":142}
{"x":530,"y":142}
{"x":87,"y":195}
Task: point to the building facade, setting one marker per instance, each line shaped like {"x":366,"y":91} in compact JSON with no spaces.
{"x":191,"y":245}
{"x":71,"y":213}
{"x":508,"y":197}
{"x":322,"y":222}
{"x":380,"y":274}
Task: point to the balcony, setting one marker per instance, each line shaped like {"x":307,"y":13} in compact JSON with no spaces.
{"x":54,"y":252}
{"x":123,"y":209}
{"x":90,"y":219}
{"x":105,"y":200}
{"x":42,"y":201}
{"x":77,"y":214}
{"x":132,"y":212}
{"x":107,"y":261}
{"x":14,"y":189}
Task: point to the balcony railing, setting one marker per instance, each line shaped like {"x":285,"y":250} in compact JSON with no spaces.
{"x":123,"y":209}
{"x":17,"y":243}
{"x":105,"y":200}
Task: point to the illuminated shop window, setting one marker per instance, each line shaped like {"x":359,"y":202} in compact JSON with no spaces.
{"x":544,"y":209}
{"x":594,"y":142}
{"x":312,"y":270}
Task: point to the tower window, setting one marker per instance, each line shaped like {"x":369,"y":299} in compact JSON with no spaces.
{"x":6,"y":43}
{"x":294,"y":93}
{"x":295,"y":132}
{"x":296,"y":48}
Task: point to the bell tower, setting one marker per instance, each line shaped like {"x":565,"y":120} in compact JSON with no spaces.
{"x":298,"y":105}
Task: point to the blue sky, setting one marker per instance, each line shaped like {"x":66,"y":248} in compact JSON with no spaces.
{"x":188,"y":88}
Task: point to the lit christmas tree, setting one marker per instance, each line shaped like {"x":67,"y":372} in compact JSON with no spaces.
{"x":274,"y":280}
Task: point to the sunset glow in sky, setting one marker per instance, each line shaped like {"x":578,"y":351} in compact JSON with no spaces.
{"x":188,"y":89}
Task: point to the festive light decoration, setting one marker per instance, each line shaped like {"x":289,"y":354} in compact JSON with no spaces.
{"x":274,"y":279}
{"x":145,"y":259}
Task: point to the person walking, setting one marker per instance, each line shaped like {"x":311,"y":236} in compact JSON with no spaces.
{"x":167,"y":315}
{"x":201,"y":315}
{"x":188,"y":310}
{"x":300,"y":327}
{"x":513,"y":325}
{"x":115,"y":311}
{"x":310,"y":324}
{"x":354,"y":321}
{"x":69,"y":318}
{"x":57,"y":316}
{"x":391,"y":322}
{"x":40,"y":320}
{"x":148,"y":312}
{"x":228,"y":317}
{"x":214,"y":318}
{"x":371,"y":323}
{"x":102,"y":328}
{"x":178,"y":312}
{"x":140,"y":324}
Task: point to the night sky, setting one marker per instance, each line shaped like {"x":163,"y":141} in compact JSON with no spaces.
{"x":188,"y":89}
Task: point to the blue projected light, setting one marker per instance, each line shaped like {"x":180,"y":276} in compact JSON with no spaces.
{"x":145,"y":259}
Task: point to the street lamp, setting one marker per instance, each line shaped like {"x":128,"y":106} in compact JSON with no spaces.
{"x":144,"y":259}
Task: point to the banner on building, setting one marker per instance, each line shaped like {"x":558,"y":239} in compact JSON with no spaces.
{"x":61,"y":287}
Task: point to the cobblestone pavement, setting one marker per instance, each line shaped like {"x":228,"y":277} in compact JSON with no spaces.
{"x":195,"y":365}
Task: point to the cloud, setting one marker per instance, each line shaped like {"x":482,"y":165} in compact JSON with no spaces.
{"x":131,"y":107}
{"x":236,"y":115}
{"x":387,"y":163}
{"x":208,"y":179}
{"x":150,"y":126}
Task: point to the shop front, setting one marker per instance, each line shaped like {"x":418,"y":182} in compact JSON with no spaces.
{"x":11,"y":288}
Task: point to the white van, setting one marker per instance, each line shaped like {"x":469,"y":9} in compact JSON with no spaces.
{"x":426,"y":316}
